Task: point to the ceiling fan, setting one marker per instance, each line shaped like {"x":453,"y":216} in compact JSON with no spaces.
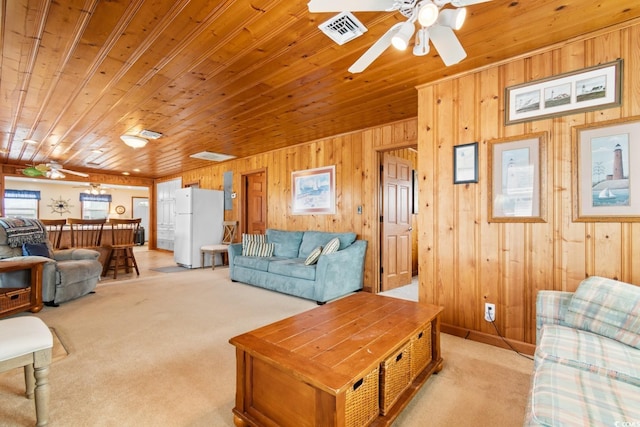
{"x":435,"y":23}
{"x":93,"y":188}
{"x":51,"y":170}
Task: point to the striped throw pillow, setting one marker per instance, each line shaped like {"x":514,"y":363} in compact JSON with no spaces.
{"x":247,"y":239}
{"x":332,"y":246}
{"x":260,"y":249}
{"x":313,"y":256}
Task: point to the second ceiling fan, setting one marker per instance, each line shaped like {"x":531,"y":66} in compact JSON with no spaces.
{"x":435,"y":24}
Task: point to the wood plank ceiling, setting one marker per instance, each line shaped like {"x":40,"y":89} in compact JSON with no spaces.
{"x":237,"y":77}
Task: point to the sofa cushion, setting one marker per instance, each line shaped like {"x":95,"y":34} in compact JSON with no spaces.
{"x":313,"y":239}
{"x":562,"y":395}
{"x":36,"y":249}
{"x":258,"y":249}
{"x":247,"y":239}
{"x":606,"y":307}
{"x":313,"y":256}
{"x":287,"y":242}
{"x":591,"y":352}
{"x":255,"y":263}
{"x":332,"y":246}
{"x":294,"y":267}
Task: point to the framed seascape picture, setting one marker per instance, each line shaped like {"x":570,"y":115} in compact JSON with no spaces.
{"x":593,"y":88}
{"x":516,"y":179}
{"x":314,"y":191}
{"x":465,"y":163}
{"x":605,"y":182}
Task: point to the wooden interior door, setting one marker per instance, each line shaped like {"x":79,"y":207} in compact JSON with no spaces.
{"x":395,"y":256}
{"x":255,"y":218}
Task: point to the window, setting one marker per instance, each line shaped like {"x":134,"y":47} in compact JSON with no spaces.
{"x":95,"y":206}
{"x":22,"y":203}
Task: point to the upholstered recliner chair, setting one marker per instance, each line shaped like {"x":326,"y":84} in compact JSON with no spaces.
{"x":67,"y":273}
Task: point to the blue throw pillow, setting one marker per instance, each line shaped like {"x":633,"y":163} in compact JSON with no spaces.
{"x":35,"y":249}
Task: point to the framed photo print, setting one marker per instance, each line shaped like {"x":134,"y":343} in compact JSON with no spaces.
{"x":465,"y":163}
{"x":605,"y":182}
{"x":314,"y":191}
{"x":593,"y":88}
{"x":516,"y":179}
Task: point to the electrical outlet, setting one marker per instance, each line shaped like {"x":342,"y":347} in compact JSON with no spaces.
{"x":489,"y":312}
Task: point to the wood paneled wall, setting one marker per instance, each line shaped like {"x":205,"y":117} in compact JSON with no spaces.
{"x":464,"y":259}
{"x":356,"y":157}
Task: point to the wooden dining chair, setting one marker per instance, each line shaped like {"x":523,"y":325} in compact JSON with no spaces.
{"x":54,"y":229}
{"x":86,"y":233}
{"x":123,"y":239}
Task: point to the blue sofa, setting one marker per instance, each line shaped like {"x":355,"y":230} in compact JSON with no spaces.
{"x":334,"y":275}
{"x":587,"y":361}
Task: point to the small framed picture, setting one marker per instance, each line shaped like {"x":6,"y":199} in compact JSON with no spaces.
{"x":465,"y":163}
{"x":314,"y":191}
{"x":516,"y":179}
{"x":606,"y":187}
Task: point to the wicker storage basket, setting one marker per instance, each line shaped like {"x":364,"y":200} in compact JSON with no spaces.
{"x":362,"y":401}
{"x":420,"y":351}
{"x":12,"y":298}
{"x":395,"y":376}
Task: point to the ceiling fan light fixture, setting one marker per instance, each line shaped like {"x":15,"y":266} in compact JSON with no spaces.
{"x":428,"y":14}
{"x":95,"y":190}
{"x":401,"y":39}
{"x":54,"y":174}
{"x":453,"y":18}
{"x":134,"y":141}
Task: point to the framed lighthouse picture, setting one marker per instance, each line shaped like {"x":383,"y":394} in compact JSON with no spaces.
{"x":606,"y":177}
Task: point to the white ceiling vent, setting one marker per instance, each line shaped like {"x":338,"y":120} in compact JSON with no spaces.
{"x":214,"y":157}
{"x":343,"y":28}
{"x":150,"y":134}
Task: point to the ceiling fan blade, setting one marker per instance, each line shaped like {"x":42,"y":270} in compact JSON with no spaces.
{"x":375,"y":50}
{"x":447,"y":44}
{"x":82,"y":174}
{"x":32,"y":171}
{"x":350,"y":5}
{"x":463,"y":3}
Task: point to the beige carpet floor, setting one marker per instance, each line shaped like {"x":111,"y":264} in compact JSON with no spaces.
{"x":154,"y":352}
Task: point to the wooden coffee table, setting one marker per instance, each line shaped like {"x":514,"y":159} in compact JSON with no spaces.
{"x":352,"y":362}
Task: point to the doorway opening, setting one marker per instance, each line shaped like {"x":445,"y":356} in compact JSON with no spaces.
{"x":254,"y":202}
{"x":398,"y":226}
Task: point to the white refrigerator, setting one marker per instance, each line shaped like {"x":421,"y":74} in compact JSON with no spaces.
{"x":199,"y":216}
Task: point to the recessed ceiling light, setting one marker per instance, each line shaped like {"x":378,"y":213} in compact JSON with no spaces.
{"x":29,"y":141}
{"x":136,"y":170}
{"x":97,"y":151}
{"x":126,"y":173}
{"x":214,"y":157}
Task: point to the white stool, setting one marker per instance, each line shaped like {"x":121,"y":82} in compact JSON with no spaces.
{"x":213,"y":250}
{"x":27,"y":342}
{"x":228,"y":234}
